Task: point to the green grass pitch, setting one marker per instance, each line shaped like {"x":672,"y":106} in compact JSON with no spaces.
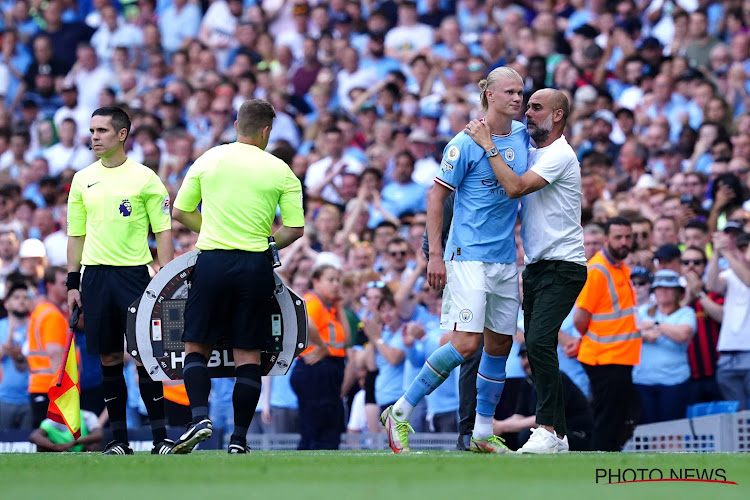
{"x":214,"y":475}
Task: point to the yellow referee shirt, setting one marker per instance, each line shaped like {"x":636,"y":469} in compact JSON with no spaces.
{"x":113,"y":208}
{"x":240,"y":186}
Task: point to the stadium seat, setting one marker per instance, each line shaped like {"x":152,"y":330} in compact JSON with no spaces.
{"x":712,"y":408}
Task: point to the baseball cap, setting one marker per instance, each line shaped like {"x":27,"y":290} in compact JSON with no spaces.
{"x":666,"y":278}
{"x":31,"y":247}
{"x":430,"y":110}
{"x":667,"y":252}
{"x":639,"y":272}
{"x":604,"y":114}
{"x":586,"y":31}
{"x":419,"y":135}
{"x":733,"y":226}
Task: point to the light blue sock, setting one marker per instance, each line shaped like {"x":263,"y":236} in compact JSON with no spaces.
{"x":434,"y":372}
{"x":490,"y":383}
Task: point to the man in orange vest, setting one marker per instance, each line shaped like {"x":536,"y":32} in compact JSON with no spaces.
{"x":610,"y":342}
{"x":47,"y":335}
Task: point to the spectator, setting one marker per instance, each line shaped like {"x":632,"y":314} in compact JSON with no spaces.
{"x":733,"y":369}
{"x":15,"y":410}
{"x":709,"y":312}
{"x":667,"y":329}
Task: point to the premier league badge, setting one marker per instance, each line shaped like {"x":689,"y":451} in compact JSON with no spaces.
{"x":510,"y":155}
{"x":452,"y":154}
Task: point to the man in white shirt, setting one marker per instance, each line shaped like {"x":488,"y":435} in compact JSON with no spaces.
{"x":552,"y":238}
{"x":323,"y":177}
{"x":68,"y":153}
{"x":733,"y":367}
{"x":405,"y":40}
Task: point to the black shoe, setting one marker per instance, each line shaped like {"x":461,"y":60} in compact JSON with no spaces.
{"x":117,"y":448}
{"x":238,"y":449}
{"x":464,"y":442}
{"x":194,"y":435}
{"x":163,"y":447}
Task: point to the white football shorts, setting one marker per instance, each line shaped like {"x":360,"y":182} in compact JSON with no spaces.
{"x":479,"y":295}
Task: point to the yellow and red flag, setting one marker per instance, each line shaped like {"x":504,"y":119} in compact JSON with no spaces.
{"x":65,"y":392}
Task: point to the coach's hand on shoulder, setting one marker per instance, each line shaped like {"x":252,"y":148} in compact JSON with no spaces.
{"x":480,"y":132}
{"x":436,"y":274}
{"x":74,"y":298}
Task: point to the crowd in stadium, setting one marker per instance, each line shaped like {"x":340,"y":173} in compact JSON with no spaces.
{"x":367,"y":95}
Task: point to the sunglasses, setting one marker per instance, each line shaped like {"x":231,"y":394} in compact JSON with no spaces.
{"x":695,"y":262}
{"x":375,"y":284}
{"x":401,"y":253}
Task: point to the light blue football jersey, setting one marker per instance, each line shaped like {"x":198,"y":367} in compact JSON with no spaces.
{"x":483,"y":215}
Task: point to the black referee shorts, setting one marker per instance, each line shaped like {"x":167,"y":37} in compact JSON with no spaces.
{"x":230,"y":297}
{"x":106,"y":294}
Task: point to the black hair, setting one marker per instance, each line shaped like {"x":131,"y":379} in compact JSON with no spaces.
{"x":120,"y":119}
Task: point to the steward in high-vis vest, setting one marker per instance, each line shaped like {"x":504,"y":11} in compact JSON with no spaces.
{"x":319,"y":372}
{"x":47,"y":335}
{"x":610,"y":340}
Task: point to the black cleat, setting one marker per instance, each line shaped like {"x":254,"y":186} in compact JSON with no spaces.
{"x":238,"y":449}
{"x":194,"y":435}
{"x":163,"y":447}
{"x":117,"y":448}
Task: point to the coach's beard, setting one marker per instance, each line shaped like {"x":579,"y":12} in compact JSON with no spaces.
{"x":540,"y":132}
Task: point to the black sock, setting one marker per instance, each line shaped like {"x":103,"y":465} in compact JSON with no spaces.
{"x":197,"y":385}
{"x":245,"y":399}
{"x":152,"y":394}
{"x":116,"y":398}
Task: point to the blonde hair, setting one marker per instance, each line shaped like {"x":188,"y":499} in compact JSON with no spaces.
{"x":494,"y":76}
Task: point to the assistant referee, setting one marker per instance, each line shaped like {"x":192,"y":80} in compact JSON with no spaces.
{"x":111,"y":204}
{"x":240,"y":186}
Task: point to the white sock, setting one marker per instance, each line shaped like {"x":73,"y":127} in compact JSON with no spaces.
{"x":402,"y":409}
{"x":482,"y":427}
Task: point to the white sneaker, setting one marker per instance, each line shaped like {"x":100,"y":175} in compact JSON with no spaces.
{"x":562,"y":445}
{"x":541,"y":441}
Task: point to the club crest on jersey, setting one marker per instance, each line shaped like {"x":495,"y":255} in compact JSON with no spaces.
{"x":465,"y":315}
{"x":126,"y":208}
{"x":510,"y":155}
{"x":453,"y":153}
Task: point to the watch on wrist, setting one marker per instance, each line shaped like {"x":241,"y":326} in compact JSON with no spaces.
{"x":492,"y":152}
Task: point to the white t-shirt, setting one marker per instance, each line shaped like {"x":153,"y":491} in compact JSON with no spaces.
{"x":735,"y":334}
{"x":417,"y":37}
{"x":551,"y":217}
{"x":60,"y":157}
{"x":317,"y":172}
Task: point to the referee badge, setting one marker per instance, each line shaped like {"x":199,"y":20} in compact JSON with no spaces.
{"x":510,"y":155}
{"x":453,"y":153}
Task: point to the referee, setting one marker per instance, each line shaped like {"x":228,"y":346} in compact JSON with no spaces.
{"x":239,"y":186}
{"x":110,"y":207}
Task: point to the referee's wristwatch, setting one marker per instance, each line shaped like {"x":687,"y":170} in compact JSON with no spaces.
{"x":492,"y":152}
